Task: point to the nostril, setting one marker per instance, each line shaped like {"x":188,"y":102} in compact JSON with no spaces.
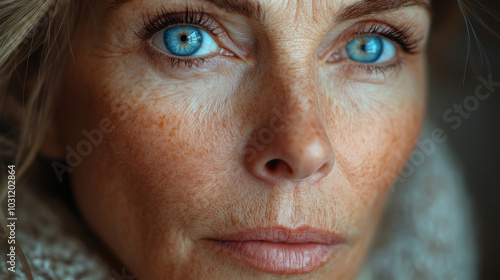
{"x":272,"y":164}
{"x":279,"y":168}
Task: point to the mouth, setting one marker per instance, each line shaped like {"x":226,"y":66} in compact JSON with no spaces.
{"x":281,"y":250}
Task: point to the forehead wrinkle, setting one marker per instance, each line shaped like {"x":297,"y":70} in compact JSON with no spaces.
{"x":250,"y":9}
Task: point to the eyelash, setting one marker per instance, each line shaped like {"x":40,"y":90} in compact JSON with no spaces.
{"x":402,"y":35}
{"x":163,"y":18}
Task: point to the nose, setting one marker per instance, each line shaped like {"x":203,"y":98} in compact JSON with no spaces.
{"x":293,"y":145}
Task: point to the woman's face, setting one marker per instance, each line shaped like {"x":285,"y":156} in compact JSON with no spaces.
{"x":241,"y":139}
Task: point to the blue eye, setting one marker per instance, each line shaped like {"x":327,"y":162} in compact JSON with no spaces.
{"x":371,"y":49}
{"x":186,"y":40}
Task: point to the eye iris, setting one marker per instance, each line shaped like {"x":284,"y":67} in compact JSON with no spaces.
{"x":366,"y":49}
{"x":183,"y":40}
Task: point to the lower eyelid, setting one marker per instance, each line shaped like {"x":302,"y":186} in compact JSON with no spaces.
{"x":370,"y":73}
{"x":378,"y":74}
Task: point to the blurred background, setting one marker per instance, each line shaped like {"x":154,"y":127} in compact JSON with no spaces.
{"x":453,"y":83}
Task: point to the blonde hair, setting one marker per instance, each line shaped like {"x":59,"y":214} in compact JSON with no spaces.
{"x":34,"y":45}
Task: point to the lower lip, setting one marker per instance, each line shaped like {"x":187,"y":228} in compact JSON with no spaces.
{"x":278,"y":257}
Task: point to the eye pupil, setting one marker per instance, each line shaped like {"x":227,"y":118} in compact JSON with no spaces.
{"x":183,"y":40}
{"x":366,"y":49}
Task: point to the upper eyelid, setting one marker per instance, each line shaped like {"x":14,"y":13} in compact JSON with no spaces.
{"x":402,"y":32}
{"x":162,"y":16}
{"x":361,"y":28}
{"x":209,"y":23}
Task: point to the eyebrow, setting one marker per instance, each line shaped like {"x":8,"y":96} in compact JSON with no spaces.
{"x":369,"y":7}
{"x":252,"y":9}
{"x":246,"y":8}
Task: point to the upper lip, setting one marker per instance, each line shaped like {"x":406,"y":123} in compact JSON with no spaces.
{"x":303,"y":234}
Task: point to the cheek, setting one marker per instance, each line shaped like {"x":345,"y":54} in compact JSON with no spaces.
{"x":162,"y":147}
{"x":375,"y":130}
{"x":158,"y":169}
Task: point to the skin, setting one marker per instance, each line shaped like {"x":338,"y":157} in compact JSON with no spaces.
{"x":181,"y":159}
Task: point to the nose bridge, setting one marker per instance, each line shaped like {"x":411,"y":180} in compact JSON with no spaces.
{"x":294,"y":143}
{"x":294,"y":55}
{"x":294,"y":79}
{"x":295,"y":89}
{"x":297,"y":99}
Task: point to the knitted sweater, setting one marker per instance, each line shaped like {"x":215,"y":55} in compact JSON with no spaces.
{"x":426,"y":232}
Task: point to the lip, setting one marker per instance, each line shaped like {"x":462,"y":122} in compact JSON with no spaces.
{"x":281,"y":250}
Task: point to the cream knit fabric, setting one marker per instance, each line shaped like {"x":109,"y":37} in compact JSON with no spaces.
{"x":56,"y":246}
{"x":427,"y":230}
